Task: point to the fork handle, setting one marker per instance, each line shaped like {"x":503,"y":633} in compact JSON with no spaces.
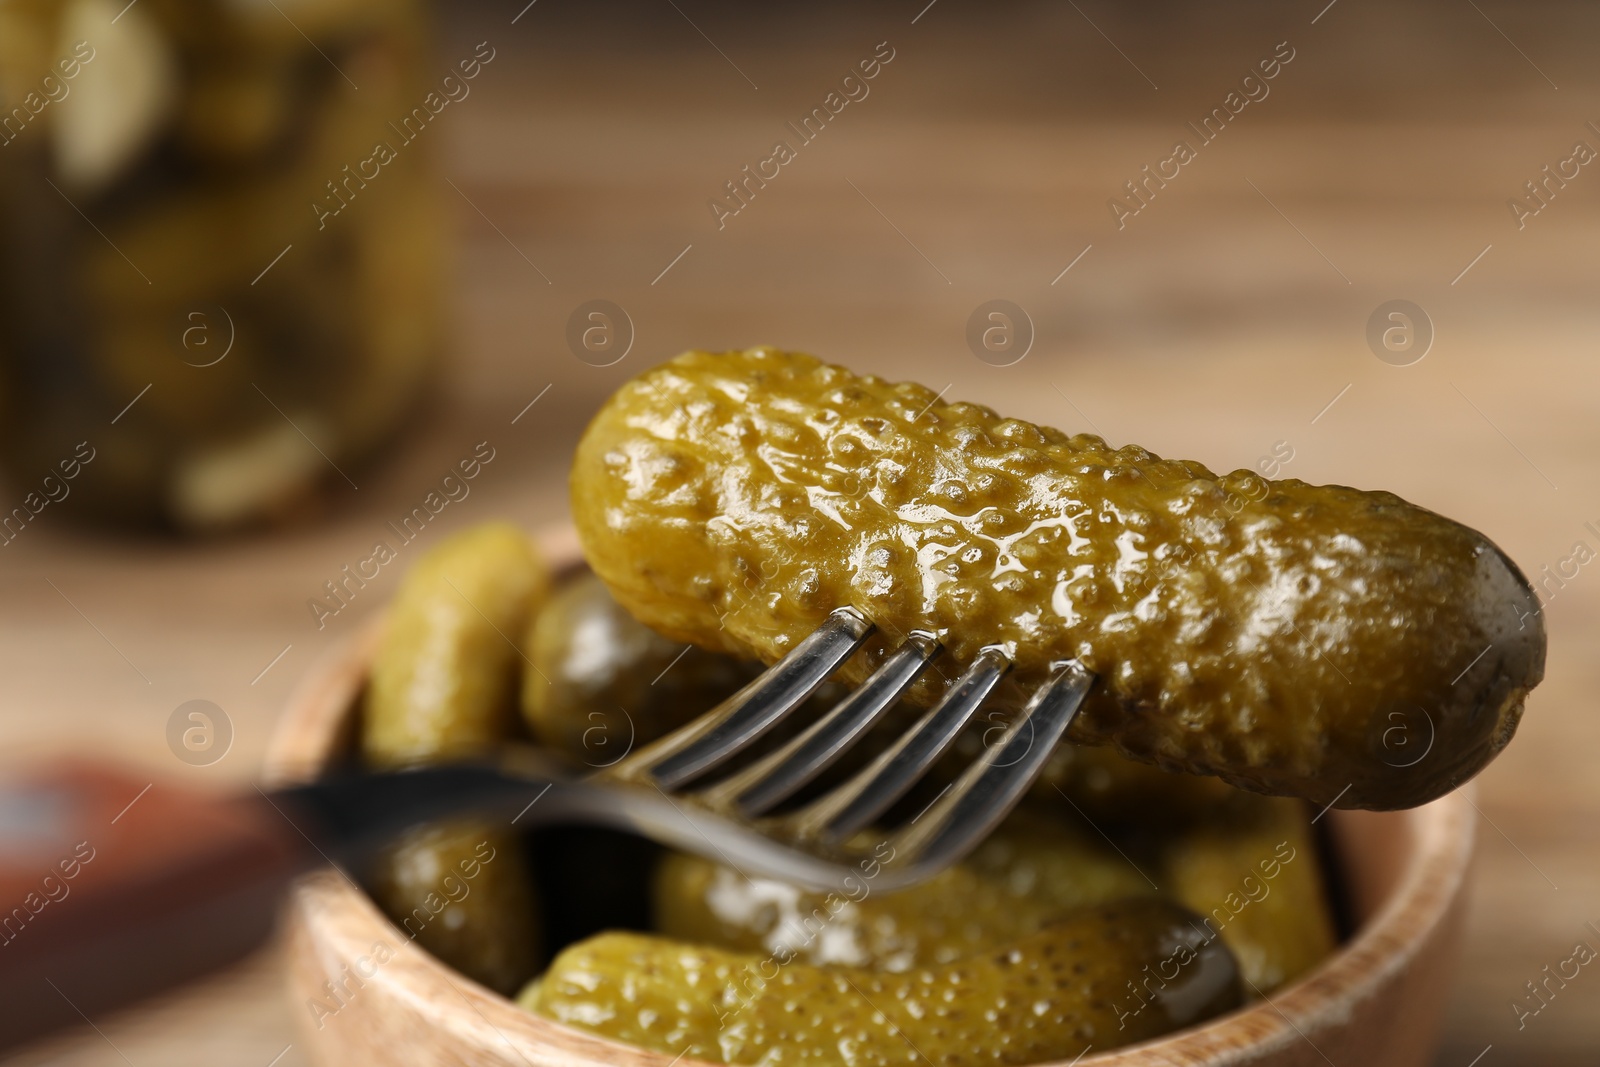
{"x":115,"y":887}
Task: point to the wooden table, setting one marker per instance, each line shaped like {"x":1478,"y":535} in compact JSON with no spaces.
{"x":1227,"y":316}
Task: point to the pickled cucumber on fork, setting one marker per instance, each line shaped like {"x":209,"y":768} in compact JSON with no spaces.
{"x":1104,"y":976}
{"x":1274,"y":634}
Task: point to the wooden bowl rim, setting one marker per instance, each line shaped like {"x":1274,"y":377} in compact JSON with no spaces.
{"x":1441,"y":845}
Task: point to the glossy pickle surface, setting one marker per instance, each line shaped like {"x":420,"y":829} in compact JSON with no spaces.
{"x":1105,"y":975}
{"x":1274,"y":634}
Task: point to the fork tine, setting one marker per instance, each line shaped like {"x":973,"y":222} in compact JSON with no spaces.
{"x":760,"y":787}
{"x":988,"y":790}
{"x":763,"y":703}
{"x":853,"y":805}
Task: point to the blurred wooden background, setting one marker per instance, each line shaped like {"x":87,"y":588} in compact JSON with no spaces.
{"x":1224,"y":319}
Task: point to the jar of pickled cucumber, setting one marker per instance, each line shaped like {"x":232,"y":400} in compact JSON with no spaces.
{"x":209,"y":282}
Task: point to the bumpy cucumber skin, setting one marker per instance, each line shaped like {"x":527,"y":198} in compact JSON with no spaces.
{"x":1279,"y":635}
{"x":444,"y":679}
{"x":1028,"y":873}
{"x":1080,"y":982}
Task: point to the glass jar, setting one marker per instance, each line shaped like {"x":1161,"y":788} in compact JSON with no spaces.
{"x":208,"y":280}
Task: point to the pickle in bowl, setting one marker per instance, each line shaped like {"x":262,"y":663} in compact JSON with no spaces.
{"x":461,"y":890}
{"x":444,"y":680}
{"x":1102,"y":976}
{"x":1027,"y":874}
{"x":602,"y":683}
{"x":1253,"y":874}
{"x":443,"y":687}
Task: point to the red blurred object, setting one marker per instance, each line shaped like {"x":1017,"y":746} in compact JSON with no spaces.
{"x":115,"y":887}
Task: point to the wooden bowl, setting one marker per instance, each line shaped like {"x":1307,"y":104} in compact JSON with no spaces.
{"x":365,"y":994}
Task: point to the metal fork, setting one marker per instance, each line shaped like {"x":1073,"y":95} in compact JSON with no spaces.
{"x":670,"y":790}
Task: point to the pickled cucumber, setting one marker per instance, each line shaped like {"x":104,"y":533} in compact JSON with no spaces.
{"x":444,"y":679}
{"x":1028,"y":873}
{"x":1274,"y":634}
{"x":602,"y":683}
{"x":1102,"y":977}
{"x":1251,"y":872}
{"x":460,"y":889}
{"x":442,"y":687}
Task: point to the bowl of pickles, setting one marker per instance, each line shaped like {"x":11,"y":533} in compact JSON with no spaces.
{"x":1269,"y":872}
